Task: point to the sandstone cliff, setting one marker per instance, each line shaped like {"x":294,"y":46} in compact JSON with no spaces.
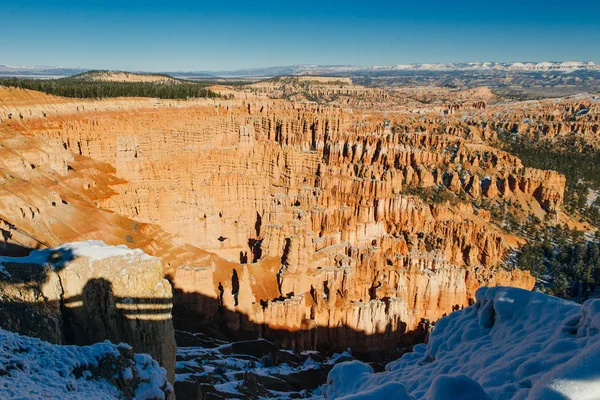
{"x":307,"y":216}
{"x":84,"y":293}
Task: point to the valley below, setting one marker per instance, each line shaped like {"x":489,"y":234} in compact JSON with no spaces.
{"x":288,"y":225}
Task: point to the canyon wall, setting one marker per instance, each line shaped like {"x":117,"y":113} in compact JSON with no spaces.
{"x":299,"y":217}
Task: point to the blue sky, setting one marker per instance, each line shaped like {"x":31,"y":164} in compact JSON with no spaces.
{"x":194,"y":35}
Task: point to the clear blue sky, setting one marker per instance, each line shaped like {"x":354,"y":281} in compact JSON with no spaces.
{"x":171,"y":35}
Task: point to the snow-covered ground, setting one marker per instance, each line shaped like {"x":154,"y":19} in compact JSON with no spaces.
{"x":511,"y":344}
{"x":33,"y":369}
{"x":250,"y":369}
{"x":94,"y":250}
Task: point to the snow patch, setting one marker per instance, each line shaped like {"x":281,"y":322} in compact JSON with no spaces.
{"x":33,"y":369}
{"x":511,"y":344}
{"x":94,"y":250}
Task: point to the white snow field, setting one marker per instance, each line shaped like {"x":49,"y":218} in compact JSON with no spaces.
{"x":510,"y":344}
{"x":33,"y":369}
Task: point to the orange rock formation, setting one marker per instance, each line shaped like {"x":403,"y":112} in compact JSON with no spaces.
{"x":291,"y":216}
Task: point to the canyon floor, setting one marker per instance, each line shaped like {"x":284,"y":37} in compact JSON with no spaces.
{"x":311,"y":212}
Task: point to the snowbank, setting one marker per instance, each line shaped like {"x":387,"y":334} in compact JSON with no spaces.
{"x":511,"y":344}
{"x":94,"y":250}
{"x":33,"y":369}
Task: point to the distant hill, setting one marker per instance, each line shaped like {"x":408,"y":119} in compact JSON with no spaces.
{"x":103,"y":84}
{"x":566,"y":66}
{"x":307,"y":69}
{"x":122,"y":76}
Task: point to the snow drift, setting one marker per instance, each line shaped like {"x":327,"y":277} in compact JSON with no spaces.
{"x":33,"y":369}
{"x":510,"y":344}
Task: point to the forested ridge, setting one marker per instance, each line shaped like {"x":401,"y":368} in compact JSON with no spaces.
{"x":76,"y":87}
{"x":580,"y":167}
{"x":565,"y":262}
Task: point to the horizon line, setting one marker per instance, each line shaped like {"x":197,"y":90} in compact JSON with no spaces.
{"x":589,"y":61}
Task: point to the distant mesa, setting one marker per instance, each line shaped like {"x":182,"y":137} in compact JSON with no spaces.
{"x":565,"y":66}
{"x":122,"y":76}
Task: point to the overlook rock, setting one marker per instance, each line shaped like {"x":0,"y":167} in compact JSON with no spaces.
{"x":88,"y":292}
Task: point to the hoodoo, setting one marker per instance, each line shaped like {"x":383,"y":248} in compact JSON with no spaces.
{"x":309,"y":218}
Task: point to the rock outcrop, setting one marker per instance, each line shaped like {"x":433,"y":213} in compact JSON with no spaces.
{"x":84,"y":293}
{"x":337,"y":91}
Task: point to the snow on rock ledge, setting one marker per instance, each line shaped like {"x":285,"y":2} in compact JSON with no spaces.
{"x":33,"y":369}
{"x":88,"y":292}
{"x":511,"y":344}
{"x":93,"y":250}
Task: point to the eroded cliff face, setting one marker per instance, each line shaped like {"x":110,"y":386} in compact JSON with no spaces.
{"x":573,"y":120}
{"x":88,"y":292}
{"x":288,"y":216}
{"x":337,"y":91}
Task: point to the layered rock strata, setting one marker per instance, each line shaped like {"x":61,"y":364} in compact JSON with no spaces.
{"x":306,"y":215}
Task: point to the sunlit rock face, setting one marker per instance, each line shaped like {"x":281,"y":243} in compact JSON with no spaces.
{"x":89,"y":292}
{"x":272,"y":216}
